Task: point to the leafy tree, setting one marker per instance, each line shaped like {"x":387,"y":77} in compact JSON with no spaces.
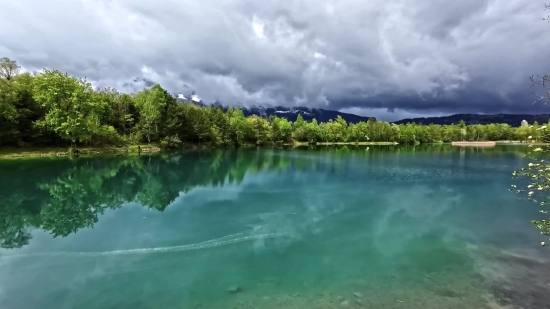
{"x":537,"y":173}
{"x":312,"y":132}
{"x":8,"y":95}
{"x":537,"y":178}
{"x":261,"y":130}
{"x":8,"y":68}
{"x":52,"y":108}
{"x":200,"y":122}
{"x":300,"y":122}
{"x":8,"y":113}
{"x":73,"y":109}
{"x":150,"y":103}
{"x":121,"y":113}
{"x":239,"y":126}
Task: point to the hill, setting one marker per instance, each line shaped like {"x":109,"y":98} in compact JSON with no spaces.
{"x":511,"y":119}
{"x":324,"y":115}
{"x":290,"y":113}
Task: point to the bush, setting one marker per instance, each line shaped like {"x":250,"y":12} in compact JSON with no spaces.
{"x":170,"y":142}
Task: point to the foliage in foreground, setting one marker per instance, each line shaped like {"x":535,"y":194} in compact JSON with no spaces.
{"x":51,"y":108}
{"x":536,"y":176}
{"x":535,"y":180}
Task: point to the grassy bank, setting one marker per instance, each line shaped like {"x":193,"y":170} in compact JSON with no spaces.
{"x":520,"y":143}
{"x":37,"y":152}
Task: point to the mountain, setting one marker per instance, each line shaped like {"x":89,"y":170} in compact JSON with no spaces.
{"x":290,"y":113}
{"x":324,"y":115}
{"x":511,"y":119}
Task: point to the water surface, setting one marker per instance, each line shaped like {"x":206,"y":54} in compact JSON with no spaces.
{"x":387,"y":227}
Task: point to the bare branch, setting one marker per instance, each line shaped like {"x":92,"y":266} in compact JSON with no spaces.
{"x":541,"y":81}
{"x":8,"y":68}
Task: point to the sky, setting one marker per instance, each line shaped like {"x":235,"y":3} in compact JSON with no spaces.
{"x":387,"y":59}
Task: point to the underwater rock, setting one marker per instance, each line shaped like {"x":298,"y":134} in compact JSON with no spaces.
{"x":234,"y":289}
{"x":445,"y":292}
{"x":345,"y":303}
{"x":358,"y":295}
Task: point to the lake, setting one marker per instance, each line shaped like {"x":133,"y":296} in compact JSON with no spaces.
{"x":357,"y":227}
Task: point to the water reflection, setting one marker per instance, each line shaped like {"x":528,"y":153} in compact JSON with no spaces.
{"x":64,"y":196}
{"x":298,"y":228}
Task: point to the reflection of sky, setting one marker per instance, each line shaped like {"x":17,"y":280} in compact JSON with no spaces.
{"x":421,"y":207}
{"x":229,"y":191}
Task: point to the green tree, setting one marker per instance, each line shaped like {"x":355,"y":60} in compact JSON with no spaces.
{"x":150,"y":103}
{"x":8,"y":68}
{"x":200,"y":122}
{"x":312,"y":132}
{"x":537,"y":177}
{"x":121,"y":113}
{"x":73,"y":108}
{"x":537,"y":172}
{"x":239,"y":126}
{"x":53,"y":107}
{"x":281,"y":129}
{"x":8,"y":112}
{"x":261,"y":130}
{"x":300,"y":122}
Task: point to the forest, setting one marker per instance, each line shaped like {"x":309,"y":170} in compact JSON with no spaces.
{"x":52,"y":108}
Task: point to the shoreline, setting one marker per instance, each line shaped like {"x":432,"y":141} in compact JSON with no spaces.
{"x":7,"y":153}
{"x":494,"y":143}
{"x":48,"y":152}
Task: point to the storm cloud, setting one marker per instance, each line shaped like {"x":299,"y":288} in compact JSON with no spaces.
{"x":383,"y":58}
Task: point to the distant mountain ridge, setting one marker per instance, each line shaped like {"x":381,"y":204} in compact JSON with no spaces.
{"x":290,"y":113}
{"x":324,"y":115}
{"x":511,"y":119}
{"x":321,"y":115}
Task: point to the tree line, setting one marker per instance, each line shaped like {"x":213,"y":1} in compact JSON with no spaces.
{"x":52,"y":108}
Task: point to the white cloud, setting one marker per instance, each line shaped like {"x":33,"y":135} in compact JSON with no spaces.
{"x":258,"y":28}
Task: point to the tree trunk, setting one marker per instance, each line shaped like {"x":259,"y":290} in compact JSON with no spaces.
{"x":148,"y":137}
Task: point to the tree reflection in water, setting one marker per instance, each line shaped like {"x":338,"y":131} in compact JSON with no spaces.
{"x":64,"y":195}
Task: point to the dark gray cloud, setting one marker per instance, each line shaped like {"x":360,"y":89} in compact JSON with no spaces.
{"x":386,"y":58}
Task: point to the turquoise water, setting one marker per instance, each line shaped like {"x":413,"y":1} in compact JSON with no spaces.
{"x":424,"y":227}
